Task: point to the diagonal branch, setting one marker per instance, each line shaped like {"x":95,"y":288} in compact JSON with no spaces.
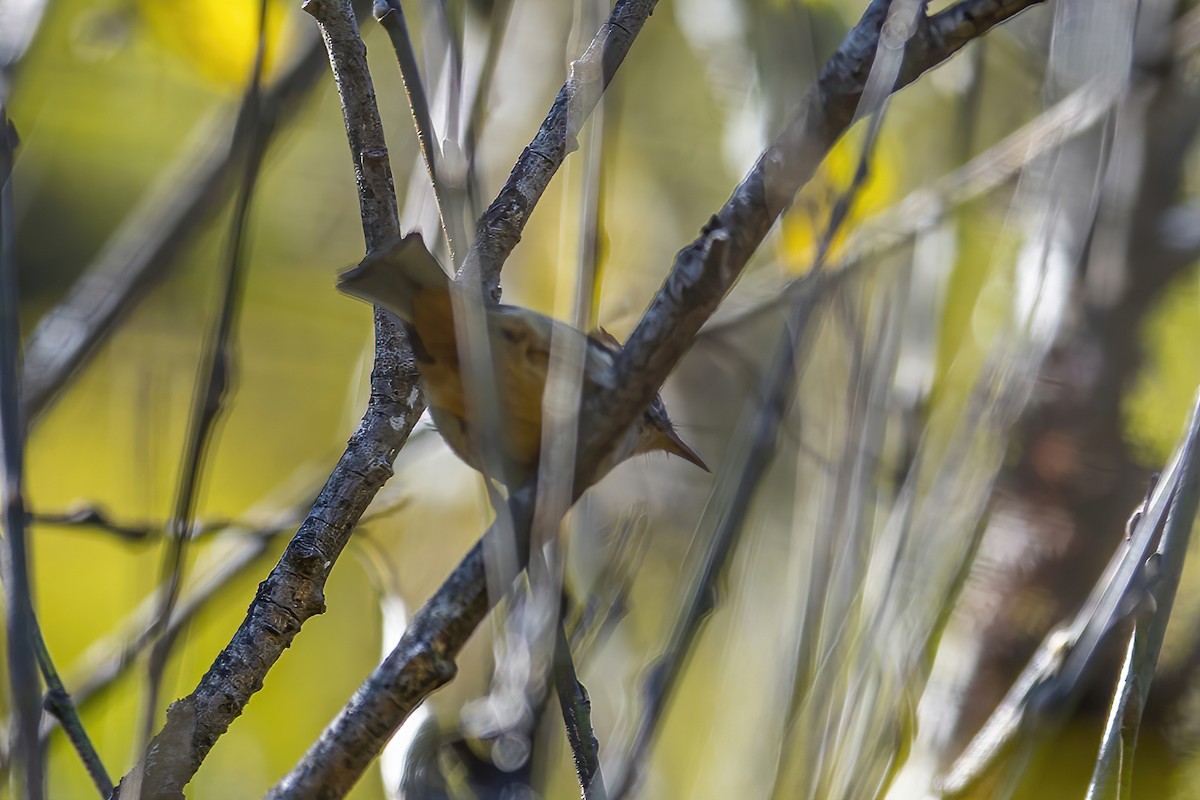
{"x":1113,"y":773}
{"x":706,"y":269}
{"x":500,"y":227}
{"x":423,"y":660}
{"x":762,"y":434}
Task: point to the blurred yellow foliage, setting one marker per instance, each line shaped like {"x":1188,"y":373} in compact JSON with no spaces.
{"x":1156,"y":407}
{"x":220,"y":37}
{"x":808,"y":220}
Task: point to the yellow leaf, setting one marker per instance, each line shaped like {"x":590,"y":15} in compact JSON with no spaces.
{"x":219,"y":38}
{"x":808,"y":220}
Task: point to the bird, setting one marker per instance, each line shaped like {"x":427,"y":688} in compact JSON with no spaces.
{"x":406,"y":279}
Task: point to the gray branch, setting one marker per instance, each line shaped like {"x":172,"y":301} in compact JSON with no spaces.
{"x":500,"y":227}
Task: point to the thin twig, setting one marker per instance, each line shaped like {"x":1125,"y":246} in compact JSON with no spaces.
{"x":62,"y":708}
{"x":57,"y":701}
{"x":500,"y":227}
{"x":577,"y":716}
{"x":24,"y":688}
{"x":109,"y":658}
{"x":450,"y":209}
{"x":1113,"y":773}
{"x":25,"y":634}
{"x":423,"y":660}
{"x":1053,"y":677}
{"x":560,"y":434}
{"x":93,"y":516}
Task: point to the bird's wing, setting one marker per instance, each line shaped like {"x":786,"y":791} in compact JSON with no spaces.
{"x":521,"y":339}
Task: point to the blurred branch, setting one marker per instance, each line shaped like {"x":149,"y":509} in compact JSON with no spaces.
{"x":216,"y":373}
{"x":1185,"y":37}
{"x":500,"y":11}
{"x":1113,"y":774}
{"x":19,"y":24}
{"x":776,"y":391}
{"x":145,"y":246}
{"x":500,"y":227}
{"x":1127,"y":268}
{"x":736,"y":486}
{"x":561,"y":405}
{"x":450,"y":209}
{"x":924,"y":208}
{"x":591,"y":620}
{"x":423,"y":660}
{"x":707,"y":268}
{"x":20,"y":623}
{"x":1054,"y":676}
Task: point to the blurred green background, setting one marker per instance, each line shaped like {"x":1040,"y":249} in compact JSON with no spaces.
{"x":114,"y":92}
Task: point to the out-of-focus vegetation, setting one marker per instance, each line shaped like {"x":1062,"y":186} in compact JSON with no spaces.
{"x":113,"y":93}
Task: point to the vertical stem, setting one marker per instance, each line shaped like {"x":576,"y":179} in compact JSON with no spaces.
{"x":14,"y":557}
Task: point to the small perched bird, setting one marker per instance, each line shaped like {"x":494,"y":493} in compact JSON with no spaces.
{"x":406,"y":279}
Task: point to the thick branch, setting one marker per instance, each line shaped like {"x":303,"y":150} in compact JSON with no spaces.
{"x":421,"y":662}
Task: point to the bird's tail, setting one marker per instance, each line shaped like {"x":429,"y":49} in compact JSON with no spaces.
{"x":395,"y":275}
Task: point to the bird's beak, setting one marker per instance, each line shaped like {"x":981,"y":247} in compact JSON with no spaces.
{"x":676,"y":446}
